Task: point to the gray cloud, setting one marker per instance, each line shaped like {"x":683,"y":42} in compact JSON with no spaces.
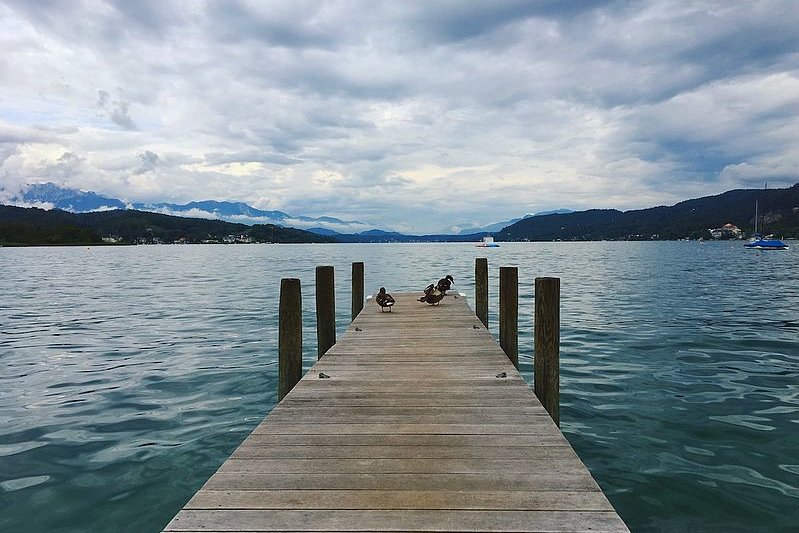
{"x":102,"y":99}
{"x":151,"y":17}
{"x":250,"y":156}
{"x":149,"y":162}
{"x":117,"y":110}
{"x":289,"y":24}
{"x":68,"y":165}
{"x":11,"y":134}
{"x":119,"y":115}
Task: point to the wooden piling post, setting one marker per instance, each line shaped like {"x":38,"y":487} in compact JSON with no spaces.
{"x":357,"y":289}
{"x":289,"y":336}
{"x":481,"y":289}
{"x":509,"y":313}
{"x":325,"y":309}
{"x":547,"y":345}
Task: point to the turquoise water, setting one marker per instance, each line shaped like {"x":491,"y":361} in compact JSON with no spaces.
{"x":128,"y":374}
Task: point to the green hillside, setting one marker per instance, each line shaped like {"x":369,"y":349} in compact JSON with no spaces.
{"x":31,"y":226}
{"x":691,"y":218}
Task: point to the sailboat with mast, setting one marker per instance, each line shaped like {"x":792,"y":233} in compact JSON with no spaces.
{"x":758,"y":241}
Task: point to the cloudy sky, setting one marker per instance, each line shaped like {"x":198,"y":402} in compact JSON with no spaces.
{"x":416,"y":116}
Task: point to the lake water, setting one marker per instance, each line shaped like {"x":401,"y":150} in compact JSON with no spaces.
{"x":128,"y":374}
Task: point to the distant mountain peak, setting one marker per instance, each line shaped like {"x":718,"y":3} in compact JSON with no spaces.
{"x":552,"y":212}
{"x":67,"y":199}
{"x":497,"y":226}
{"x":78,"y":201}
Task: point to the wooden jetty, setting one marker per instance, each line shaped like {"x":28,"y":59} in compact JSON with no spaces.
{"x":415,"y":420}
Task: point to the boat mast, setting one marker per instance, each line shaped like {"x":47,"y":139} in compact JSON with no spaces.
{"x":755,"y":217}
{"x":763,"y":221}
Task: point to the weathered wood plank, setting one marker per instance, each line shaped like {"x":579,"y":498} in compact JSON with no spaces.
{"x":455,"y":376}
{"x":420,"y":415}
{"x":405,"y":520}
{"x":319,"y":441}
{"x":428,"y":385}
{"x":482,"y":393}
{"x":411,"y":401}
{"x":562,"y":463}
{"x":289,"y":451}
{"x":478,"y":481}
{"x":466,"y":413}
{"x":388,"y":420}
{"x":401,"y":499}
{"x":406,"y":429}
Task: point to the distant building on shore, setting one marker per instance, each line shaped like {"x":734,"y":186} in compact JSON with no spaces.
{"x":727,"y":231}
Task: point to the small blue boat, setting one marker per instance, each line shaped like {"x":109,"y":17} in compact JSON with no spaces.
{"x":758,"y":242}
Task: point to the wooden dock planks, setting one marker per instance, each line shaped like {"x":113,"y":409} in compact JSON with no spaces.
{"x":412,"y":431}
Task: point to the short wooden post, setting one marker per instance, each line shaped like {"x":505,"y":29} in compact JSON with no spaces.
{"x":325,"y":309}
{"x":547,"y":345}
{"x":509,"y":313}
{"x":289,"y":336}
{"x":481,"y":289}
{"x":357,"y":289}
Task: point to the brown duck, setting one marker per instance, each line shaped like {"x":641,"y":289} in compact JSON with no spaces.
{"x":384,"y":300}
{"x":432,"y":295}
{"x":445,"y":283}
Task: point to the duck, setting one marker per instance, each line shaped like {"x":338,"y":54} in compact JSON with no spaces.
{"x":445,"y":283}
{"x":432,"y":295}
{"x":384,"y":300}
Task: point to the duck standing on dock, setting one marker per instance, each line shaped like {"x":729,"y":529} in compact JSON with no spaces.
{"x":384,"y":300}
{"x":445,"y":284}
{"x":432,"y":295}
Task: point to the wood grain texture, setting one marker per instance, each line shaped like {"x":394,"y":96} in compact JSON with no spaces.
{"x":481,"y":289}
{"x":357,"y":288}
{"x":325,"y":309}
{"x":289,"y":336}
{"x":423,"y":425}
{"x":512,"y":500}
{"x":509,"y":312}
{"x":547,"y":344}
{"x":390,"y":520}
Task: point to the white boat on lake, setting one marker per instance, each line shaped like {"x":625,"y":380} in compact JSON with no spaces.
{"x":487,"y":242}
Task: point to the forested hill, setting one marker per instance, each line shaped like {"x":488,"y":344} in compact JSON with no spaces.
{"x":30,"y":226}
{"x":691,"y":218}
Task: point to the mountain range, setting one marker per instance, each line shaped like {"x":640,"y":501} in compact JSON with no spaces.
{"x":50,"y":195}
{"x":779,"y":214}
{"x":78,"y":201}
{"x":496,"y":226}
{"x":34,"y":226}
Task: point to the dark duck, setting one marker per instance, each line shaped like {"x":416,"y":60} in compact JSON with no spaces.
{"x":445,"y":284}
{"x":384,"y":300}
{"x":432,"y":295}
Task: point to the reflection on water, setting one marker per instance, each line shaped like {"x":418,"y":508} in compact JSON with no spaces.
{"x":127,"y":375}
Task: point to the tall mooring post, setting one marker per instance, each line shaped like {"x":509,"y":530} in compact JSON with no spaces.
{"x":481,"y":289}
{"x":547,"y":345}
{"x":357,"y":289}
{"x":509,"y":312}
{"x":289,"y":336}
{"x":325,"y":309}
